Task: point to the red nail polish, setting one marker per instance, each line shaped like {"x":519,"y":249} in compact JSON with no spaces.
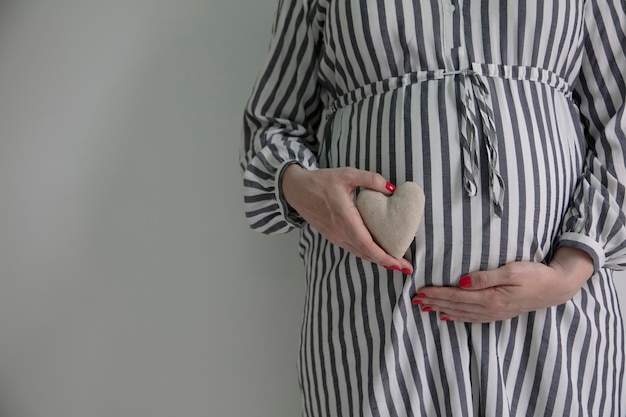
{"x":427,"y":309}
{"x":465,"y":282}
{"x":422,"y":295}
{"x":388,"y":268}
{"x":444,"y":318}
{"x":390,"y":187}
{"x":417,"y":302}
{"x":396,"y":267}
{"x":406,"y":271}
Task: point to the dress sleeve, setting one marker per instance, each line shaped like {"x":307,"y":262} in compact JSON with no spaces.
{"x":282,"y":115}
{"x":595,"y":221}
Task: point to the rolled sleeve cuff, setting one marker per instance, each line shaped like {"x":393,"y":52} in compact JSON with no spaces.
{"x":587,"y":244}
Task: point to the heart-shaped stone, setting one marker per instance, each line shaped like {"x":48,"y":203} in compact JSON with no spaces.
{"x":393,"y":221}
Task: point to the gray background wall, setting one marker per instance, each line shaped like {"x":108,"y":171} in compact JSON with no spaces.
{"x":130,"y":284}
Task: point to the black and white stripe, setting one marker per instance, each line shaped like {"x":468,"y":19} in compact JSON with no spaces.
{"x":394,"y":86}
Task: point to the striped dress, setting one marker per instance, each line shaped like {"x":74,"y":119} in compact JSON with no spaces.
{"x":510,"y":115}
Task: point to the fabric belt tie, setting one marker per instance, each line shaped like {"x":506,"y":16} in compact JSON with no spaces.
{"x":476,"y":96}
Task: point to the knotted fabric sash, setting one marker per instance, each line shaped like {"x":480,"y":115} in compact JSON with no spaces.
{"x":477,"y":110}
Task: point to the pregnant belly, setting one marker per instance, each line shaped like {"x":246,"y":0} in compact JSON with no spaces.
{"x":415,"y":134}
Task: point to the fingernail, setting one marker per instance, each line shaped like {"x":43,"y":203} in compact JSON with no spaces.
{"x":422,"y":295}
{"x":465,"y":282}
{"x":444,"y":318}
{"x":406,"y":271}
{"x":427,"y":309}
{"x":417,"y":302}
{"x":390,"y":187}
{"x":396,"y":267}
{"x":388,"y":268}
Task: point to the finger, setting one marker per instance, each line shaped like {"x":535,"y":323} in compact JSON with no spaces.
{"x":466,"y":318}
{"x":366,"y":248}
{"x":456,"y":315}
{"x":459,"y":300}
{"x":404,"y":266}
{"x":371,"y":180}
{"x":486,"y":279}
{"x":452,"y":296}
{"x":389,"y":263}
{"x":453,"y":314}
{"x":469,"y":317}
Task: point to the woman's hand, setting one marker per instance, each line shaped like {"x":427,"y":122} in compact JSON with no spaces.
{"x":506,"y":292}
{"x":325,"y":199}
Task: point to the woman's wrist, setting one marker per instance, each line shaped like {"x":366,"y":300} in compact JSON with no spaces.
{"x":291,"y":182}
{"x":574,"y":265}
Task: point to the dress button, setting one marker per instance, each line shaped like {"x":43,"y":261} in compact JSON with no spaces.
{"x":451,"y":8}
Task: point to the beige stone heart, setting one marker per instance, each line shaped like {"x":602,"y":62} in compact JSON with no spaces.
{"x":393,"y":221}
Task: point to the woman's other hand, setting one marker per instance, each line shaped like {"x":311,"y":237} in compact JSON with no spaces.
{"x":513,"y":289}
{"x":325,"y":199}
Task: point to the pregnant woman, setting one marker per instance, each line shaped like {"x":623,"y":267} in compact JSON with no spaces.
{"x":510,"y":115}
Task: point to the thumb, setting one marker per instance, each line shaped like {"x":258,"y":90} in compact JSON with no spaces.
{"x":371,"y":180}
{"x":481,"y":280}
